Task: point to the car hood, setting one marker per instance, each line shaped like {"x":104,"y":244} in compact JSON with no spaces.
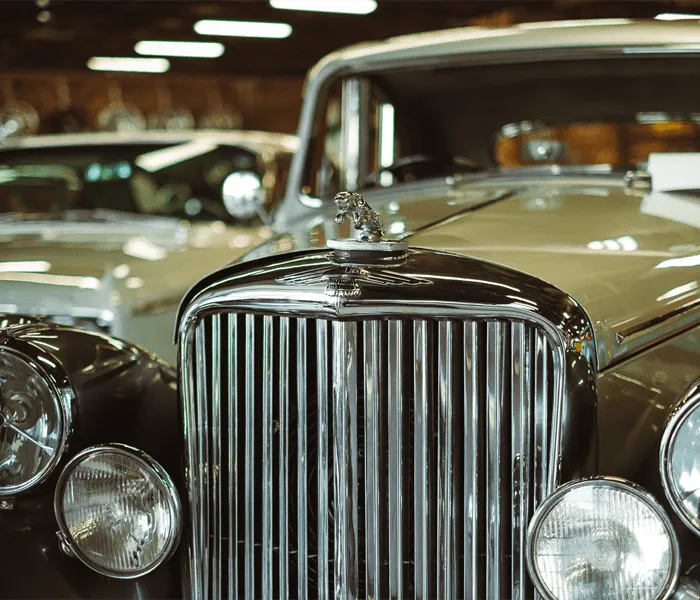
{"x":630,"y":257}
{"x":132,"y":264}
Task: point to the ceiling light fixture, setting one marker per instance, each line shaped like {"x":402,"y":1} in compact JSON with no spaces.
{"x":677,"y":17}
{"x":187,"y":49}
{"x":128,"y":64}
{"x":349,"y":7}
{"x":250,"y":29}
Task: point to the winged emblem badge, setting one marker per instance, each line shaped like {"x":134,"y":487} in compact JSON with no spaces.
{"x":346,"y":281}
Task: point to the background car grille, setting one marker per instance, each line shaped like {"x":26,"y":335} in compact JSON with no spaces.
{"x":371,"y":459}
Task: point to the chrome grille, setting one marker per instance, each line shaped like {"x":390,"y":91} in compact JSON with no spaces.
{"x":368,"y":459}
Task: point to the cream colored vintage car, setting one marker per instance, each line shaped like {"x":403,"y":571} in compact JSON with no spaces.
{"x":465,"y":364}
{"x":109,"y":230}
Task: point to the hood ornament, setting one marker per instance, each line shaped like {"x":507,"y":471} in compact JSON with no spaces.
{"x":368,"y":222}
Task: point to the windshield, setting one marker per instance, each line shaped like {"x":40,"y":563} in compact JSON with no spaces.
{"x":425,"y":122}
{"x":183,"y":180}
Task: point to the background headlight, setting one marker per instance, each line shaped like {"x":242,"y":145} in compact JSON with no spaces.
{"x":34,"y":422}
{"x":680,"y":459}
{"x":602,"y":538}
{"x":118,"y":510}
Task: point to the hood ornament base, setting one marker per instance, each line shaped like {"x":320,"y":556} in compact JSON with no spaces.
{"x":368,"y":223}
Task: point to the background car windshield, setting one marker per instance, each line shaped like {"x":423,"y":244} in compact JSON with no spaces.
{"x":182,"y":180}
{"x":611,"y":111}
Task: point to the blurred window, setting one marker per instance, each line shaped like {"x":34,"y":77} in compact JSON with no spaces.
{"x":182,"y":180}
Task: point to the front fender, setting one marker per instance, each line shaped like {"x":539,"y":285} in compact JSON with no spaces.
{"x":123,"y":394}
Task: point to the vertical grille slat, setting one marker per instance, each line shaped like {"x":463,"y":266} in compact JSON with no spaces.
{"x":232,"y":385}
{"x":267,"y":384}
{"x":397,"y":458}
{"x":345,"y":459}
{"x":373,"y":387}
{"x":249,"y":470}
{"x":216,"y":455}
{"x":472,"y":461}
{"x":203,"y":457}
{"x":283,"y":397}
{"x":395,"y":467}
{"x":302,"y":454}
{"x":445,"y":505}
{"x":494,"y":466}
{"x":322,"y":352}
{"x":421,"y":446}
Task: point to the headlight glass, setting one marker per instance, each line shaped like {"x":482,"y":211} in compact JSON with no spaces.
{"x":118,"y":511}
{"x":605,"y":539}
{"x":32,"y":423}
{"x":680,"y":461}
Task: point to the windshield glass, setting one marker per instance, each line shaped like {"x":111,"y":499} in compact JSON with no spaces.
{"x":425,"y":122}
{"x":183,"y":180}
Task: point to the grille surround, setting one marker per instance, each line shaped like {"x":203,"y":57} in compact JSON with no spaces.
{"x":255,"y":291}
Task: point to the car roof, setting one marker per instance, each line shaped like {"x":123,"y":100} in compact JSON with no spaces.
{"x":252,"y":140}
{"x":599,"y":33}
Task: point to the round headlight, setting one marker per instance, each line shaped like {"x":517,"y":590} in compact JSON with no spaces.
{"x":118,"y":511}
{"x":602,"y":538}
{"x":34,"y":421}
{"x":680,"y":459}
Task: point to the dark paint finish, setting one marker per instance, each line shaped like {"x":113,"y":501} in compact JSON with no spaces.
{"x":123,"y":394}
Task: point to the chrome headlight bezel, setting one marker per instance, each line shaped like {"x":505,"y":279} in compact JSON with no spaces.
{"x":689,"y":402}
{"x":62,"y":392}
{"x":159,"y":474}
{"x":628,"y":486}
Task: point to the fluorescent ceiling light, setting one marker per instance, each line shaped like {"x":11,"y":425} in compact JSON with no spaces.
{"x":125,"y":63}
{"x":676,"y":17}
{"x":350,"y":7}
{"x":251,"y":29}
{"x":191,"y":49}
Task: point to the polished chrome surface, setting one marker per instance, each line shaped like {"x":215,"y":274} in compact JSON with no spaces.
{"x":407,"y":475}
{"x":408,"y":478}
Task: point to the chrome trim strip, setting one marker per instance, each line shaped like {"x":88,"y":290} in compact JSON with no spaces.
{"x":216,"y":455}
{"x":345,"y":458}
{"x":302,"y":454}
{"x":520,"y":435}
{"x":395,"y":416}
{"x":472,"y":459}
{"x":232,"y":371}
{"x":250,"y":458}
{"x":267,"y":385}
{"x":283,"y":523}
{"x":446,"y":540}
{"x":203,"y":465}
{"x":373,"y":388}
{"x":494,"y":492}
{"x":540,"y":429}
{"x":322,"y":353}
{"x":421,"y":449}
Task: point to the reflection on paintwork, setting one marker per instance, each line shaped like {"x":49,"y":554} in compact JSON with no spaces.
{"x":25,"y":266}
{"x":121,"y":271}
{"x":686,"y":261}
{"x":679,"y":291}
{"x":86,"y":283}
{"x":145,"y":249}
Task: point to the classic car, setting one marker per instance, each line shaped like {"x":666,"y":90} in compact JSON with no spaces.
{"x":464,"y":366}
{"x":108,"y":230}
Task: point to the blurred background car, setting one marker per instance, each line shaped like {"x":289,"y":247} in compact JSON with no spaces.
{"x":107,"y":230}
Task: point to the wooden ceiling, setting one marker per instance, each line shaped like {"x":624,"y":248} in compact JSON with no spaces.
{"x":60,"y":36}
